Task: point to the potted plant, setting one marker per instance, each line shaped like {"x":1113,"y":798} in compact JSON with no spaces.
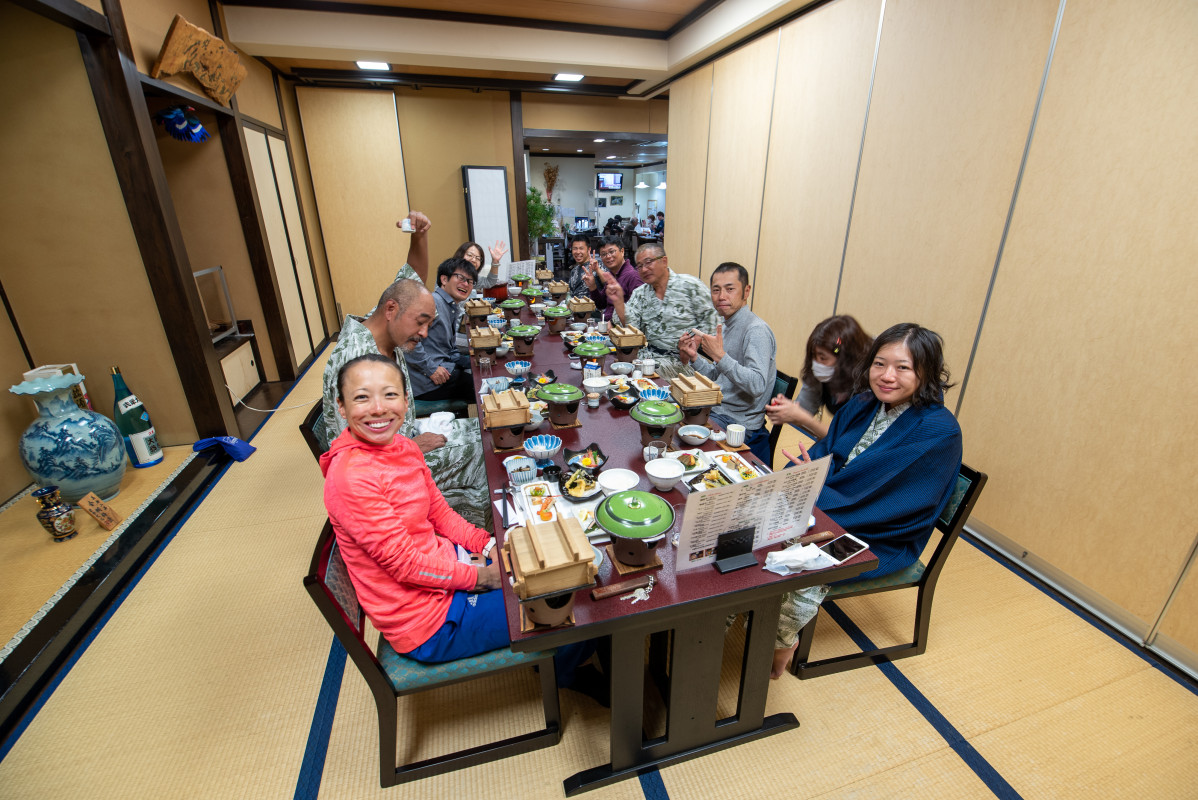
{"x":540,"y":217}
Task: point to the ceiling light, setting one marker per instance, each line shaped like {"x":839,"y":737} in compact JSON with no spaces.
{"x":600,"y":141}
{"x":557,"y":89}
{"x":381,"y":65}
{"x":568,"y":76}
{"x":609,"y":158}
{"x":641,"y":185}
{"x":544,"y":149}
{"x":661,"y":185}
{"x":578,"y":151}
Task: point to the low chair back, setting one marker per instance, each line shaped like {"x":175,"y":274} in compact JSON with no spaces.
{"x":953,"y":518}
{"x":309,"y":429}
{"x":783,"y":385}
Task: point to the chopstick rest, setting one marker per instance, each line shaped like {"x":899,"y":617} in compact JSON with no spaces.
{"x":604,"y":592}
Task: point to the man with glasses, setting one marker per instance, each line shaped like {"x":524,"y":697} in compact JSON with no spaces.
{"x":614,"y":268}
{"x":664,"y":308}
{"x":439,"y":371}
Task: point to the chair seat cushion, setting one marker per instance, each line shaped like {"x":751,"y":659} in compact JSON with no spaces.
{"x":900,"y":577}
{"x":406,"y":674}
{"x":425,"y":408}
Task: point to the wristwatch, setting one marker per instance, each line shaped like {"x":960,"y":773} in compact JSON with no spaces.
{"x":490,"y":546}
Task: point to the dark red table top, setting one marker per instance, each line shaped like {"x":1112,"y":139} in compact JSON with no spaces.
{"x":619,"y":436}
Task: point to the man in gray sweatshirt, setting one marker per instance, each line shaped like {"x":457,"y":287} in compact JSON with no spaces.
{"x":739,"y":356}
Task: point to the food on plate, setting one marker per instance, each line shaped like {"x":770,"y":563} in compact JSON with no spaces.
{"x":689,"y":460}
{"x":742,"y":469}
{"x":644,"y":383}
{"x":538,"y":491}
{"x":579,"y":484}
{"x":713,"y":478}
{"x":624,"y":398}
{"x":544,"y":379}
{"x":587,"y":520}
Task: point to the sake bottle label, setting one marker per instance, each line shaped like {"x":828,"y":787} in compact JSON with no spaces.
{"x":127,"y":404}
{"x":145,"y":446}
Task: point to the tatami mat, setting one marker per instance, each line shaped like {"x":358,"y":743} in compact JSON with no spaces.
{"x":205,"y":681}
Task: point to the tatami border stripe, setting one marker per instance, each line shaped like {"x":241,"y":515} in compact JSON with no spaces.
{"x":307,"y":786}
{"x":975,"y":760}
{"x":652,"y":784}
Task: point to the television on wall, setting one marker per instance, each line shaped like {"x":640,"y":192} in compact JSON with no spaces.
{"x":609,"y":181}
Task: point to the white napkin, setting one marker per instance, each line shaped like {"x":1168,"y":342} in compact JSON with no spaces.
{"x":797,"y":558}
{"x":441,"y":422}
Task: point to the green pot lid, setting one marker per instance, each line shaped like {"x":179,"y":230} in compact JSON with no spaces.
{"x":513,"y":302}
{"x":521,"y":277}
{"x":591,"y":350}
{"x":533,"y":291}
{"x":560,"y":393}
{"x":557,"y":311}
{"x":635,"y":515}
{"x":524,"y":331}
{"x":656,"y":412}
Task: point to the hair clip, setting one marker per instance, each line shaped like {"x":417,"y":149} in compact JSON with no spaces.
{"x":836,"y":349}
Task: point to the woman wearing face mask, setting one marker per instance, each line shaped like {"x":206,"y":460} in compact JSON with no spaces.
{"x":834,"y":350}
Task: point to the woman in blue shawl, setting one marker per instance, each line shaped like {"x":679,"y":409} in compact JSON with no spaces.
{"x":896,"y":452}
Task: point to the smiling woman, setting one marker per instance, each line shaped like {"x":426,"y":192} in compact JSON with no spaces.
{"x":372,"y":398}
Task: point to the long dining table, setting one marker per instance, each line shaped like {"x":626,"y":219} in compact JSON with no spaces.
{"x":674,"y":639}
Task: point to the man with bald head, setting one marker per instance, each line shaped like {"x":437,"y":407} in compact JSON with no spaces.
{"x":397,"y":325}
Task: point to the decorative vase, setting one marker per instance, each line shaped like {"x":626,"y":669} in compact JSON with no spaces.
{"x":78,"y":451}
{"x":57,"y":517}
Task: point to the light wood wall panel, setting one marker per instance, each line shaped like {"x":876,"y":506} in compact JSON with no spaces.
{"x":69,"y":262}
{"x":953,"y":98}
{"x":357,"y":170}
{"x":569,"y":113}
{"x":824,"y":65}
{"x":307,"y":202}
{"x":690,"y":116}
{"x":280,"y":158}
{"x":1087,"y":342}
{"x":444,"y":129}
{"x":202,"y":193}
{"x":741,"y":103}
{"x":256,"y":94}
{"x":16,"y":412}
{"x":1181,"y":620}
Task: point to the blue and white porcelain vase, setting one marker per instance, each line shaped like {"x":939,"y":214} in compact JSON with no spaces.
{"x":77,"y":450}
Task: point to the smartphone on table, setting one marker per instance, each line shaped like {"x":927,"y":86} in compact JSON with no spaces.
{"x":842,"y":548}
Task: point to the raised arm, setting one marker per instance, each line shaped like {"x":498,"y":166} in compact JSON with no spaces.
{"x":418,"y":244}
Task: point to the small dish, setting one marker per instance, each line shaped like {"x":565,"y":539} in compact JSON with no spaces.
{"x":617,"y":480}
{"x":578,"y":326}
{"x":694,"y":434}
{"x":664,"y":473}
{"x":518,"y":368}
{"x":546,"y":377}
{"x":542,"y":447}
{"x":622,"y":401}
{"x":578,"y":458}
{"x":692,"y":460}
{"x":718,"y":436}
{"x":620,"y":367}
{"x":520,"y":469}
{"x":579,"y":486}
{"x":596,"y":384}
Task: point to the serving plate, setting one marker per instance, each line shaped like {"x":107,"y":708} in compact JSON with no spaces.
{"x":534,"y":494}
{"x":643,"y":383}
{"x":702,"y":481}
{"x":584,"y":495}
{"x":702,"y":460}
{"x":735,"y":468}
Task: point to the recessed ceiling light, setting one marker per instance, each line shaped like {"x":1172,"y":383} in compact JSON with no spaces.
{"x":557,"y":89}
{"x":578,"y":151}
{"x":609,"y":158}
{"x":600,"y":141}
{"x":567,"y":76}
{"x":383,"y":65}
{"x":544,"y":149}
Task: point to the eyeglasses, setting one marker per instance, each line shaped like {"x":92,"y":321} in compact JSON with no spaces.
{"x":646,"y":263}
{"x":460,"y":278}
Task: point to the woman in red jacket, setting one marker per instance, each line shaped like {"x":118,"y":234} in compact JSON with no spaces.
{"x":397,"y":533}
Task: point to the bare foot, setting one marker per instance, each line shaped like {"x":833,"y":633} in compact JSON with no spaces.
{"x":782,"y":657}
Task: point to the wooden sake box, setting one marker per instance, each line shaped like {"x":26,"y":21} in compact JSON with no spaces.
{"x":626,"y":336}
{"x":558,"y":288}
{"x":692,"y":391}
{"x":581,"y":305}
{"x":505,"y":409}
{"x":549,"y":557}
{"x":485,"y":336}
{"x":544,"y":274}
{"x":477,"y":308}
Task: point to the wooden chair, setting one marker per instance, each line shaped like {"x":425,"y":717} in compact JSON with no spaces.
{"x":390,"y":675}
{"x":784,"y":385}
{"x":308,"y":429}
{"x":951,"y":523}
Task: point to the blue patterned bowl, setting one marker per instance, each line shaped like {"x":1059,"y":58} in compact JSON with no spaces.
{"x":518,"y":368}
{"x":543,"y":446}
{"x":657,"y":394}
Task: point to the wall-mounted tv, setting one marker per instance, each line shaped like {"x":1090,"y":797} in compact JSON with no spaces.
{"x":609,"y":181}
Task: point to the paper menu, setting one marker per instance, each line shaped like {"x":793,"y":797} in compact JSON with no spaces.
{"x":778,"y":505}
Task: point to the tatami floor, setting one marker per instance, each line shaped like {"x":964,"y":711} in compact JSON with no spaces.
{"x":207,"y":682}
